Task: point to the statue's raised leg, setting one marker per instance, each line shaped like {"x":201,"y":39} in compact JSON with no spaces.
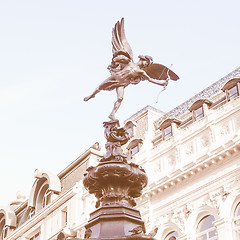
{"x":97,"y":90}
{"x":120,"y":94}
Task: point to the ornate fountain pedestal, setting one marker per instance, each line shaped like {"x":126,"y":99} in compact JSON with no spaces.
{"x":115,"y":183}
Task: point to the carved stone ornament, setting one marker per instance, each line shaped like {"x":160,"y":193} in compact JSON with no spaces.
{"x":217,"y":197}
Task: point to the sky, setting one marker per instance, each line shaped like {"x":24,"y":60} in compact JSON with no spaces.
{"x":53,"y":53}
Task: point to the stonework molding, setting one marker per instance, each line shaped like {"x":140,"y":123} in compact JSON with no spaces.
{"x":181,"y":215}
{"x":230,"y":204}
{"x":217,"y":198}
{"x":229,"y":84}
{"x":52,"y":179}
{"x":166,"y":228}
{"x":204,"y":141}
{"x":9,"y":216}
{"x":198,"y":103}
{"x":206,"y":93}
{"x":36,"y":219}
{"x":198,"y":213}
{"x":193,"y":174}
{"x":43,"y":177}
{"x":166,"y":121}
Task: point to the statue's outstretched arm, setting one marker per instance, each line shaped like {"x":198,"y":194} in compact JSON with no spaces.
{"x":158,"y":82}
{"x":155,"y":81}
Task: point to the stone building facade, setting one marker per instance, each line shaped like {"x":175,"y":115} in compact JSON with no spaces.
{"x":192,"y":158}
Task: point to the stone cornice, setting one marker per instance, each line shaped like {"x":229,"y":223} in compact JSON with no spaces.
{"x":197,"y":193}
{"x":206,"y":93}
{"x":192,"y":169}
{"x":197,"y":127}
{"x":144,"y":111}
{"x":44,"y":213}
{"x":80,"y":159}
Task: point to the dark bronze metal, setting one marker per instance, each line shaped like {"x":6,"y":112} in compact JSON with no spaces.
{"x":125,"y":71}
{"x":115,"y":183}
{"x":116,"y":137}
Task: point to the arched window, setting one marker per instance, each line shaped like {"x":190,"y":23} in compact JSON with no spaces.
{"x":3,"y":229}
{"x":44,"y":197}
{"x":205,"y":229}
{"x":231,"y":88}
{"x":200,"y":108}
{"x":129,"y":127}
{"x":236,"y":222}
{"x":168,"y":127}
{"x":8,"y":221}
{"x":45,"y":189}
{"x":134,"y":147}
{"x":171,"y":236}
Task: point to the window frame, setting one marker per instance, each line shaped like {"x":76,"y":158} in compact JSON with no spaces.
{"x":169,"y":134}
{"x":206,"y":232}
{"x":134,"y":144}
{"x":230,"y":96}
{"x":64,"y":217}
{"x":36,"y":236}
{"x":236,"y":217}
{"x":232,"y":83}
{"x":198,"y":116}
{"x":171,"y":235}
{"x":2,"y":225}
{"x":4,"y":231}
{"x":31,"y":212}
{"x":204,"y":104}
{"x":46,"y":198}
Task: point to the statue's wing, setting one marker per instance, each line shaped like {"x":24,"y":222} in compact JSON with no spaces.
{"x":158,"y":71}
{"x":119,"y":41}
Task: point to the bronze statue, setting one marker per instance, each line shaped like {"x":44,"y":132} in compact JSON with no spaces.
{"x":124,"y":71}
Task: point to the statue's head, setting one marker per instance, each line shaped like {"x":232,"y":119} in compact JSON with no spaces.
{"x":119,"y":60}
{"x":144,"y":61}
{"x":121,"y":53}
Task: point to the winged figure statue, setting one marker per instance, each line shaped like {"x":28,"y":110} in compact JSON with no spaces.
{"x":125,"y":71}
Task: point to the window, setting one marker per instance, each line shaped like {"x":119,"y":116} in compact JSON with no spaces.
{"x":35,"y":237}
{"x":236,"y":222}
{"x":31,"y":212}
{"x":199,"y":113}
{"x":168,"y":127}
{"x":233,"y":93}
{"x":206,"y":229}
{"x":8,"y":221}
{"x":43,"y":198}
{"x":200,"y":108}
{"x":46,"y":198}
{"x":41,"y":194}
{"x":4,"y":233}
{"x":171,"y":236}
{"x":134,"y":147}
{"x":167,"y":132}
{"x":129,"y":127}
{"x":134,"y":150}
{"x":231,"y":88}
{"x":64,"y":218}
{"x":3,"y":230}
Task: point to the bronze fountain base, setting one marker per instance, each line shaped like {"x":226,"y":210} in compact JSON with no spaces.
{"x":115,"y":183}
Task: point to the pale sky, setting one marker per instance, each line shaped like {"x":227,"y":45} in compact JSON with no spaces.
{"x":53,"y":53}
